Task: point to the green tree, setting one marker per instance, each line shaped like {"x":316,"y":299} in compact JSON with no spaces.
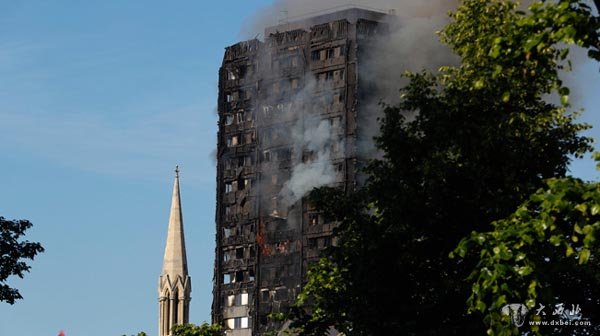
{"x":194,"y":330}
{"x":544,"y":254}
{"x":12,"y":253}
{"x":463,"y":148}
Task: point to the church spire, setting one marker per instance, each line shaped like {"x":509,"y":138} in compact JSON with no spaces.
{"x":175,"y":285}
{"x":175,"y":261}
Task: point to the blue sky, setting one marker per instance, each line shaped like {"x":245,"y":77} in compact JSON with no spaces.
{"x":98,"y":102}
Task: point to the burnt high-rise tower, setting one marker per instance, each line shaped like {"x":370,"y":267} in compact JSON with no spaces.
{"x":289,"y":120}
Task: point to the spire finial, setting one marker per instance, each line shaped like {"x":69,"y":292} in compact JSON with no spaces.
{"x":177,"y":171}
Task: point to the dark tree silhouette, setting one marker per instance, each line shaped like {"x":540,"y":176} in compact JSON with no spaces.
{"x":12,"y":253}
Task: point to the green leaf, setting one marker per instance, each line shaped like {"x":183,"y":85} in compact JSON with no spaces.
{"x":570,"y":251}
{"x":584,"y":255}
{"x":555,"y":240}
{"x":495,"y":51}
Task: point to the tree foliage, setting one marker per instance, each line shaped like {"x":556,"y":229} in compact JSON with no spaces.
{"x":13,"y":251}
{"x":204,"y":329}
{"x":544,"y":254}
{"x":462,"y":149}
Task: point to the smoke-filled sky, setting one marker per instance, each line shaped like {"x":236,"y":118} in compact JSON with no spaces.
{"x":289,"y":9}
{"x":99,"y":100}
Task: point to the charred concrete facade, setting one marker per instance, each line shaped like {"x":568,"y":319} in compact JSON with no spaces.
{"x":277,"y":98}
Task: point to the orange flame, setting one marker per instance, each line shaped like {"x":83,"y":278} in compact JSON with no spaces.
{"x":265,"y":249}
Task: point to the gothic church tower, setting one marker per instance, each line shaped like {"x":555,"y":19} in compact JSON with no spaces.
{"x":174,"y":286}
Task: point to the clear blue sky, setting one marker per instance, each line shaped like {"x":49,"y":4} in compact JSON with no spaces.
{"x":99,"y":100}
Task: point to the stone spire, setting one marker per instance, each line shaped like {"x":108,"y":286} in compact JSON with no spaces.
{"x":174,"y":287}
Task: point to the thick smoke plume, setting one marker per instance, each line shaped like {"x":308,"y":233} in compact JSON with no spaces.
{"x":316,"y":137}
{"x":411,"y":45}
{"x":290,"y":10}
{"x":312,"y":135}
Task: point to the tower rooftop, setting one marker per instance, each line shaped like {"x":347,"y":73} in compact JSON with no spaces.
{"x":348,"y":12}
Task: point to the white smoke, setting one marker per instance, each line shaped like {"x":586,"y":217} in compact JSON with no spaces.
{"x":411,"y":45}
{"x":290,"y":10}
{"x":317,"y":137}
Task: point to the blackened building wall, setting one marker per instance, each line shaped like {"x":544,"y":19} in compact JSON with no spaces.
{"x":277,"y":98}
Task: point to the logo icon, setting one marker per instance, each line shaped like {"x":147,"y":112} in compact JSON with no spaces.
{"x":517,"y":312}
